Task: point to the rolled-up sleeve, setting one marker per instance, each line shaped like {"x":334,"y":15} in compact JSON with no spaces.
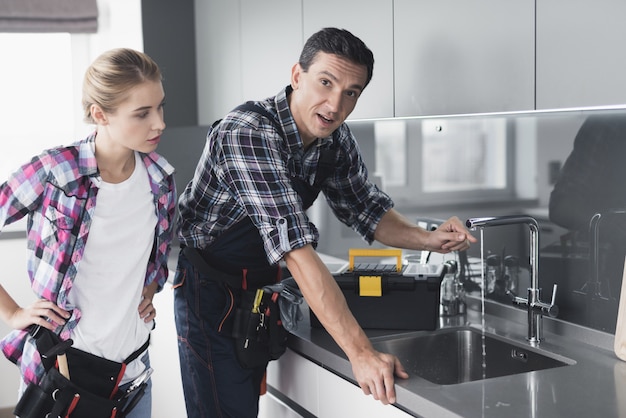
{"x":254,"y":166}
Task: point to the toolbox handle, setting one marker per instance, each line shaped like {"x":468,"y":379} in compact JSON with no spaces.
{"x":368,"y":252}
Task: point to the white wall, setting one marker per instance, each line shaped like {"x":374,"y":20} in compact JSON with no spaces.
{"x":14,"y":279}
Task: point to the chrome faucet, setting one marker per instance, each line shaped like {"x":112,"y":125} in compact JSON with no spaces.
{"x":593,"y":286}
{"x":535,"y":307}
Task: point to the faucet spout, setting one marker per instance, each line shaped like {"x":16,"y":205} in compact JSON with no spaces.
{"x":502,"y":220}
{"x":511,"y":220}
{"x":536,"y":308}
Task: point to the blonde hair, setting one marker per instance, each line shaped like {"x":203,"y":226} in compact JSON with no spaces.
{"x":109,"y":78}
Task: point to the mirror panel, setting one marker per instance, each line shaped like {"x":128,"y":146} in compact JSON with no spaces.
{"x":503,"y":164}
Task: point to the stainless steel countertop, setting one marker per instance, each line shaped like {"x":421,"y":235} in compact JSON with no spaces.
{"x":590,"y":387}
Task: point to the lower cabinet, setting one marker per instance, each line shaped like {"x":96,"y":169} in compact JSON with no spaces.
{"x":321,"y":393}
{"x":272,"y":407}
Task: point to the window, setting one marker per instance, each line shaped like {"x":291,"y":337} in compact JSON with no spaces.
{"x":390,"y":137}
{"x":41,"y":80}
{"x":443,"y":161}
{"x":482,"y":145}
{"x":37,"y":95}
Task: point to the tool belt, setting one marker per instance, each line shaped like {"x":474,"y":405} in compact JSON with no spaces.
{"x":77,"y":384}
{"x":256,"y":325}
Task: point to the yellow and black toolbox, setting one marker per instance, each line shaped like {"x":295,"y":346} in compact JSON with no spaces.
{"x":390,"y":296}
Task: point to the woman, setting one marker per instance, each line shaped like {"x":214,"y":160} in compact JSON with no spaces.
{"x":100,"y":215}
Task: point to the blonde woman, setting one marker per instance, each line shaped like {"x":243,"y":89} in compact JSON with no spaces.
{"x":100,"y":215}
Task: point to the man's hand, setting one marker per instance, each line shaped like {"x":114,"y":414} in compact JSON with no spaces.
{"x":374,"y":372}
{"x":450,"y":236}
{"x":395,"y":230}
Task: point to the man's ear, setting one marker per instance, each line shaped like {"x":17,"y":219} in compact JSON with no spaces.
{"x":98,"y":115}
{"x":296,"y":71}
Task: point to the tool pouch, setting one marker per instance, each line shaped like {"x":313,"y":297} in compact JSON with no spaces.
{"x":92,"y":391}
{"x":57,"y":396}
{"x":257,"y":329}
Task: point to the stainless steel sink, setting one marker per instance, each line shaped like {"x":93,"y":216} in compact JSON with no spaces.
{"x":458,"y":355}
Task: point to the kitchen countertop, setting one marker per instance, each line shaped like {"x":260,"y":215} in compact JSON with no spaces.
{"x":589,"y":387}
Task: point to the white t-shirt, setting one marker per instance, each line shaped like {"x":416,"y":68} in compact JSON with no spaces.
{"x":110,"y":279}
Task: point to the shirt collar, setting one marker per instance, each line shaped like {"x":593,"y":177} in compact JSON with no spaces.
{"x":158,"y":167}
{"x":294,"y":142}
{"x":87,"y":165}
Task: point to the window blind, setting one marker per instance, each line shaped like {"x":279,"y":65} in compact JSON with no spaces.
{"x":74,"y":16}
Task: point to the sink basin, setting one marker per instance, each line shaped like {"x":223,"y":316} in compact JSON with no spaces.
{"x":458,"y":355}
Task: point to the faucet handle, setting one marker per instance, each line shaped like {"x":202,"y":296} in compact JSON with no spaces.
{"x":551,"y":310}
{"x":554,"y":294}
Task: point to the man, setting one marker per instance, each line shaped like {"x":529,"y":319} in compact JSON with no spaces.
{"x":245,"y":208}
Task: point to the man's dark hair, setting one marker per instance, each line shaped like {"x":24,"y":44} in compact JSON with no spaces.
{"x":337,"y":42}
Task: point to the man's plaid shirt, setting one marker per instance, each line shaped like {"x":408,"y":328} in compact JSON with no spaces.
{"x":246,"y":169}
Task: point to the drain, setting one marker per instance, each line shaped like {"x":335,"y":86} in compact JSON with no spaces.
{"x":519,"y":355}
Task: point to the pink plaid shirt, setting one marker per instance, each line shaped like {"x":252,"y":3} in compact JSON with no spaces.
{"x":58,"y":191}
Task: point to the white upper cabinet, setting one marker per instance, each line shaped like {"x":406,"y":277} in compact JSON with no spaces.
{"x":270,"y":45}
{"x":580,"y":53}
{"x":460,"y":56}
{"x":372,"y":22}
{"x":245,"y":50}
{"x":432,"y":57}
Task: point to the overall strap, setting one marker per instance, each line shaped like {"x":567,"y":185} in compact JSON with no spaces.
{"x":326,"y":163}
{"x":252,"y":107}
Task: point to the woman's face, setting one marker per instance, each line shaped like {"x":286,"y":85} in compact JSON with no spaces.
{"x":138,"y":122}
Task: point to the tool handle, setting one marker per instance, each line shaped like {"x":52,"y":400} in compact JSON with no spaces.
{"x":63,"y":367}
{"x":367,"y":252}
{"x":258,"y":297}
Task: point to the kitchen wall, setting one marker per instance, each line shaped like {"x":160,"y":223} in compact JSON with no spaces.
{"x":169,"y":38}
{"x":539,"y":142}
{"x":15,"y":281}
{"x":242,"y":53}
{"x":183,"y":37}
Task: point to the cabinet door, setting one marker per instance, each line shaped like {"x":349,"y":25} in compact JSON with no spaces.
{"x":340,"y":398}
{"x":321,"y":392}
{"x":460,"y":56}
{"x":245,"y":50}
{"x":218,"y":59}
{"x":372,"y":22}
{"x":271,"y":41}
{"x":296,"y":378}
{"x":580,"y":59}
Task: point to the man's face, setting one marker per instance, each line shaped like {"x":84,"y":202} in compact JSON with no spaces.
{"x":325,"y":95}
